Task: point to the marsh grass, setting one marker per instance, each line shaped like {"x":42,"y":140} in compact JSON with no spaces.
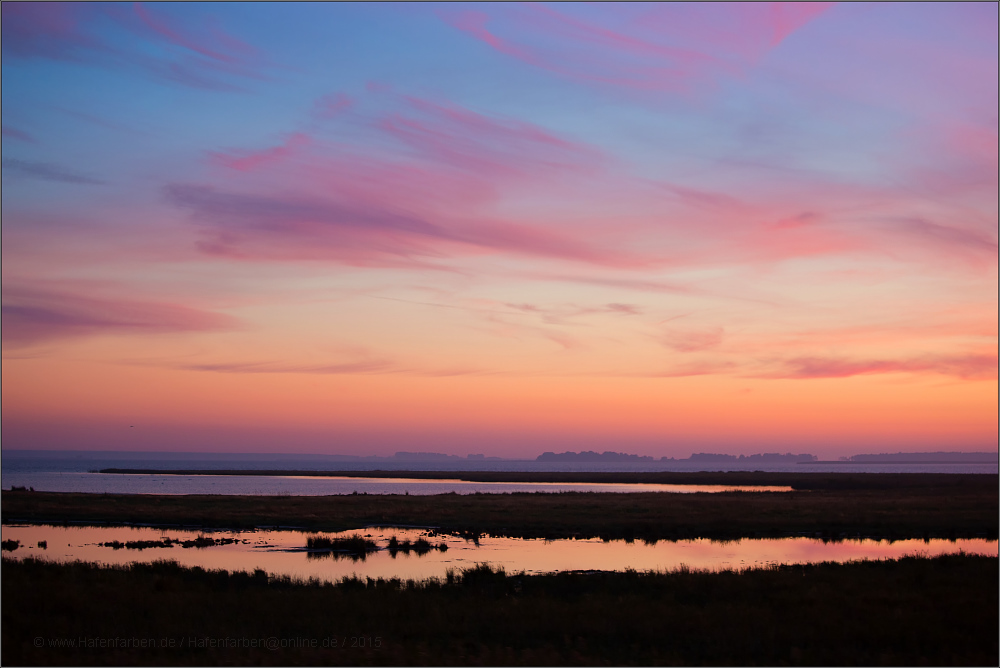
{"x":354,"y":547}
{"x":199,"y":542}
{"x":912,"y":611}
{"x":420,"y":546}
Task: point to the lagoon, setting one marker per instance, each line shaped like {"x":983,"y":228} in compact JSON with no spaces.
{"x":283,"y":552}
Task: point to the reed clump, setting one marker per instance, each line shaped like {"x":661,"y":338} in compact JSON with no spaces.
{"x":356,"y":544}
{"x":198,"y":542}
{"x":420,"y":546}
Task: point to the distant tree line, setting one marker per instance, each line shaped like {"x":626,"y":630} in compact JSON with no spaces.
{"x":608,"y":456}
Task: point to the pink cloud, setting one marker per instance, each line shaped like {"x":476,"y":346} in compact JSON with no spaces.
{"x":330,"y":106}
{"x":957,"y":158}
{"x":474,"y":23}
{"x":180,"y":36}
{"x":937,"y":235}
{"x":33,"y":316}
{"x":433,"y":193}
{"x":704,"y":199}
{"x":798,"y":220}
{"x":639,"y":285}
{"x":898,"y":329}
{"x":674,"y":47}
{"x":787,"y":17}
{"x":967,"y":367}
{"x":487,"y":146}
{"x":19,"y":135}
{"x":624,"y":309}
{"x":48,"y":30}
{"x":246,"y":161}
{"x":426,"y":201}
{"x":700,"y":368}
{"x":348,"y":368}
{"x":373,"y":366}
{"x":47,"y":172}
{"x":361,"y":232}
{"x":68,"y":31}
{"x":557,"y":315}
{"x":688,"y":341}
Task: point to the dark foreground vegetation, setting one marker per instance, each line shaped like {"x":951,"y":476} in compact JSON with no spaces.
{"x":356,"y":544}
{"x":914,"y":611}
{"x":200,"y":541}
{"x":893,"y":506}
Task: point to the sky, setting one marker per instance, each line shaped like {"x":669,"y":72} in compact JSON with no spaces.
{"x":500,"y":229}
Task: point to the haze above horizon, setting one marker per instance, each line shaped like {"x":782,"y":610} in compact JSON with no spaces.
{"x":661,"y":229}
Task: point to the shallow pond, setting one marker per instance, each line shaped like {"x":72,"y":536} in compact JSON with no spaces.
{"x":284,"y":552}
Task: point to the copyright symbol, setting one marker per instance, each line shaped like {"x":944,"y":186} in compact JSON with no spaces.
{"x":39,"y":642}
{"x":271,"y":643}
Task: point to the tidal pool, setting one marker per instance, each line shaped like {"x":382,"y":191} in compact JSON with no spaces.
{"x":284,"y":552}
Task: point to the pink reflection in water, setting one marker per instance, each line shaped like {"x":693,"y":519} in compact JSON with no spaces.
{"x":459,"y":486}
{"x":278,"y":552}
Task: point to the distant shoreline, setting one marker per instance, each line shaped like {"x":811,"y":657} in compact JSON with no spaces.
{"x":806,"y":480}
{"x":908,"y":462}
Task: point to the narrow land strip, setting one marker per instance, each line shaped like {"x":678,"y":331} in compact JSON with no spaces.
{"x":795,"y":480}
{"x":931,"y":511}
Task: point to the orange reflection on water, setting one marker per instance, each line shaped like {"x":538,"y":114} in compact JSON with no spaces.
{"x":279,"y":552}
{"x":471,"y":486}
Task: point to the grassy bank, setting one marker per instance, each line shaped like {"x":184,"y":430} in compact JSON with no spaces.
{"x":940,"y":611}
{"x":893,"y":512}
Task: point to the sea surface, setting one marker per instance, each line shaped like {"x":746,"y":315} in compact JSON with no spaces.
{"x":75,"y":471}
{"x":285,"y":552}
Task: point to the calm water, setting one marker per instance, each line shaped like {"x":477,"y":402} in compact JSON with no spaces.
{"x":70,"y":472}
{"x":113,"y":483}
{"x":280,"y":552}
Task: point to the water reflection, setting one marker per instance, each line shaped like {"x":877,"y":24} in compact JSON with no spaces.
{"x":126,"y":483}
{"x":420,"y":554}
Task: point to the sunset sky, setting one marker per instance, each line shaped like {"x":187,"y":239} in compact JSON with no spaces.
{"x":500,"y":229}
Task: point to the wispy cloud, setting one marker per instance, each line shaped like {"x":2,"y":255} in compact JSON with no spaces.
{"x":202,"y":56}
{"x":246,"y":161}
{"x":967,"y":367}
{"x":487,"y":146}
{"x":678,"y":48}
{"x":939,"y":235}
{"x":301,"y":227}
{"x":32,"y":316}
{"x":691,"y":340}
{"x":46,"y":171}
{"x":351,"y":368}
{"x":20,"y":135}
{"x":331,"y":106}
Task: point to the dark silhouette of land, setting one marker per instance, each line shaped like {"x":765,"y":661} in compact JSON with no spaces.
{"x":923,"y":458}
{"x":609,"y":456}
{"x":914,"y":611}
{"x":940,"y":611}
{"x":797,"y":481}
